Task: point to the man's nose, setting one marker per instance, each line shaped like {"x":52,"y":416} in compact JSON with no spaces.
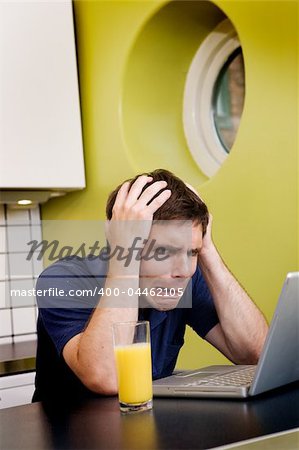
{"x":181,"y":266}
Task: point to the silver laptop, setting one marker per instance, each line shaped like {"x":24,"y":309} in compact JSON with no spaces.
{"x":277,"y":366}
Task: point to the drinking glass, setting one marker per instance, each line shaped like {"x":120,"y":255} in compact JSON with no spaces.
{"x":132,"y":349}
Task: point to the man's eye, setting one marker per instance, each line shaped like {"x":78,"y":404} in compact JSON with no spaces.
{"x":193,"y":252}
{"x":161,"y":250}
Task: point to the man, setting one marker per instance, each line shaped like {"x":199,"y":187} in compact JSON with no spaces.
{"x":75,"y":356}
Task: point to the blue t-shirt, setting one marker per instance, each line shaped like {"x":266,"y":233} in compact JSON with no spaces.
{"x":61,"y":317}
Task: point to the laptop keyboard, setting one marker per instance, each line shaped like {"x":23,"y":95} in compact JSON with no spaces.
{"x":243,"y":377}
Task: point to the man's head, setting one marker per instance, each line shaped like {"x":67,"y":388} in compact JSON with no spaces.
{"x":177,"y":231}
{"x":183,"y":203}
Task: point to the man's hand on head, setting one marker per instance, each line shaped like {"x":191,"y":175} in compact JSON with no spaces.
{"x":133,"y":211}
{"x":207,"y":242}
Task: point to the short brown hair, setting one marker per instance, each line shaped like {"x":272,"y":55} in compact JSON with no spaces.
{"x":183,"y":204}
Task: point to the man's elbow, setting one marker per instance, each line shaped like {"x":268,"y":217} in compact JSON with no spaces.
{"x":246,"y":358}
{"x":251,"y":356}
{"x":101,"y":385}
{"x":104,"y":389}
{"x":255,"y":349}
{"x":259,"y":345}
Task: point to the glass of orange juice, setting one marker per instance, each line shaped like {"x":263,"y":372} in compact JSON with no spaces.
{"x":132,"y":349}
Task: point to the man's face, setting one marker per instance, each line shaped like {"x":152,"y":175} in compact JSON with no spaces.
{"x":165,"y":276}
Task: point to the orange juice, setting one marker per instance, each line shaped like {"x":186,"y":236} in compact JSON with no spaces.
{"x":134,"y":370}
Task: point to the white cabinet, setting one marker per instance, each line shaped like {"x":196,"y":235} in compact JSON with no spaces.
{"x":40,"y":124}
{"x":16,"y":390}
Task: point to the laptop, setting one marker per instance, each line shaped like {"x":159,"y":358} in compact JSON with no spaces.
{"x":278,"y":364}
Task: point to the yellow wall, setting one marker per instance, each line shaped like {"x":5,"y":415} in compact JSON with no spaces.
{"x":133,"y":59}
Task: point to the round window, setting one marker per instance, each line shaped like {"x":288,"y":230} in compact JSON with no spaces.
{"x":214,"y":97}
{"x":228,"y":99}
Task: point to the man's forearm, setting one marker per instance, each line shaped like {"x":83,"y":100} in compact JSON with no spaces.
{"x":94,"y":360}
{"x":243,"y":325}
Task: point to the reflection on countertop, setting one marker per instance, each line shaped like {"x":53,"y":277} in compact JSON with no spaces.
{"x":17,"y":358}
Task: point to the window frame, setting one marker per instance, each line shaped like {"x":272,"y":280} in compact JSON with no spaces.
{"x":198,"y":115}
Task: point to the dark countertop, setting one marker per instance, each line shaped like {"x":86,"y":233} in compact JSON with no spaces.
{"x":173,"y":424}
{"x":17,"y":358}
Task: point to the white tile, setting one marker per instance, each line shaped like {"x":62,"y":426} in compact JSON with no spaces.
{"x":36,"y":233}
{"x":24,"y":320}
{"x":4,"y":270}
{"x":3,"y":246}
{"x":35,"y":215}
{"x":19,"y":266}
{"x":38,"y":265}
{"x":18,"y":239}
{"x":21,"y":293}
{"x":36,"y":313}
{"x":7,"y":340}
{"x":5,"y":323}
{"x":26,"y":338}
{"x":4,"y":294}
{"x":17,"y":216}
{"x":7,"y":294}
{"x":2,"y":267}
{"x":2,"y":216}
{"x":3,"y":301}
{"x":36,"y":240}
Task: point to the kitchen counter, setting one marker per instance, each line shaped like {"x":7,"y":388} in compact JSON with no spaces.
{"x":17,"y":358}
{"x":173,"y":424}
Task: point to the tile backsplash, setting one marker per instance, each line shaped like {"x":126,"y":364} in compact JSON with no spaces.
{"x":18,"y":313}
